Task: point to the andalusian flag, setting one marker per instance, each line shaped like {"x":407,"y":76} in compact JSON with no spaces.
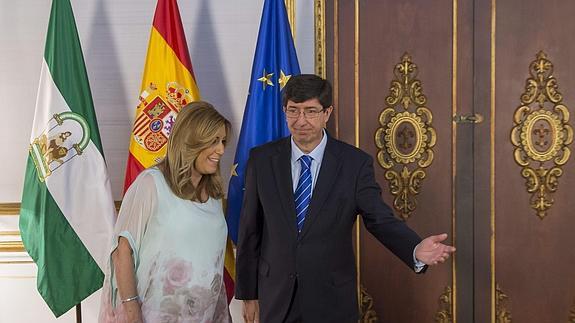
{"x":168,"y":85}
{"x":67,"y":212}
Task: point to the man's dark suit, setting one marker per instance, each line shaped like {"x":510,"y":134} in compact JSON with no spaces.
{"x":272,"y":256}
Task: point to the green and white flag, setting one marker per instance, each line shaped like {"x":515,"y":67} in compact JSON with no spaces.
{"x":67,"y":211}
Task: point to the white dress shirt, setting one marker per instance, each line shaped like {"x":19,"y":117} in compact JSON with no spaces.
{"x":316,"y":157}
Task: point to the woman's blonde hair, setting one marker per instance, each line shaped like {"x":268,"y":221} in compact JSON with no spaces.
{"x":195,"y":129}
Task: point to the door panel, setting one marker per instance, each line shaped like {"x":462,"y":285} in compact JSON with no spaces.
{"x":473,"y":58}
{"x":534,"y":258}
{"x":387,"y":31}
{"x":423,"y":31}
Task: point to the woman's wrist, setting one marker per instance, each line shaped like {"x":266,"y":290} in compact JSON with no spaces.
{"x":135,"y":298}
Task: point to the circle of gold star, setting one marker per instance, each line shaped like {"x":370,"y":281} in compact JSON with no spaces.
{"x":266,"y":79}
{"x":283,"y":79}
{"x":234,"y":168}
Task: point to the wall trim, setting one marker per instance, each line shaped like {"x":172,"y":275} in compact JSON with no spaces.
{"x":9,"y":209}
{"x":16,"y":245}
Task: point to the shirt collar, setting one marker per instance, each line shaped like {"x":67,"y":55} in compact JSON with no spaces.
{"x":316,"y":153}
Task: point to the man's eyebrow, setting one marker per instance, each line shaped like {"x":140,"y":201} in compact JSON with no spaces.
{"x":308,"y":107}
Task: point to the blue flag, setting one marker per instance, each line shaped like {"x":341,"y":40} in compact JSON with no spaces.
{"x":275,"y":61}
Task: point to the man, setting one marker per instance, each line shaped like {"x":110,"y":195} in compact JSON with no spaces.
{"x":295,"y":259}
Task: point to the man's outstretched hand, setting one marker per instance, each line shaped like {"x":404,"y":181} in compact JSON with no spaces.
{"x":432,"y":251}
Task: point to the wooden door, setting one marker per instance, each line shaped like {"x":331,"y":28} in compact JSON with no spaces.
{"x":430,"y":90}
{"x":396,"y":56}
{"x":524,"y":200}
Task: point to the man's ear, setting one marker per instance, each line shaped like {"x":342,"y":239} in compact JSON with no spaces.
{"x":328,"y":110}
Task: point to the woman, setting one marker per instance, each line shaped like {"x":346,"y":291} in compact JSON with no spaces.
{"x":168,"y":259}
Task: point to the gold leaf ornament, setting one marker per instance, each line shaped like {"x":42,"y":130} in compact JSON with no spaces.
{"x":405,"y":137}
{"x":541,"y":134}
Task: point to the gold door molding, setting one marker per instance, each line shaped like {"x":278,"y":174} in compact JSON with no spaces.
{"x":406,"y":137}
{"x":501,"y":312}
{"x":541,"y":134}
{"x":368,"y":314}
{"x":319,"y":26}
{"x":445,"y":314}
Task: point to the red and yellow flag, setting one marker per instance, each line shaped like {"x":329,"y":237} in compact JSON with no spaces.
{"x":168,"y":84}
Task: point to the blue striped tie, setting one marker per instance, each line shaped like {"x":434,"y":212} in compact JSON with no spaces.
{"x":302,"y":193}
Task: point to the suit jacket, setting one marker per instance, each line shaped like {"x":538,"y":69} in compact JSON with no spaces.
{"x":271,"y":255}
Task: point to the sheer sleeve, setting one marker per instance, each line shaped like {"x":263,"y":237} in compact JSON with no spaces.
{"x":138,"y":205}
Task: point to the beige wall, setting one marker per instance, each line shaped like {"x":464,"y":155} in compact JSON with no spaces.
{"x":221,"y":37}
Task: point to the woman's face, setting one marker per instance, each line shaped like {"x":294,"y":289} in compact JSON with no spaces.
{"x":209,"y":158}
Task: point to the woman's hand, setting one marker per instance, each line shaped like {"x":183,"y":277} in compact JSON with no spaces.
{"x":133,"y":311}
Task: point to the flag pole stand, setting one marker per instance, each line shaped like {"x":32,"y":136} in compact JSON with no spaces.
{"x":79,"y":313}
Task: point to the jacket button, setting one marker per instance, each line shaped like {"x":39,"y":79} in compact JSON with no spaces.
{"x":292,"y":276}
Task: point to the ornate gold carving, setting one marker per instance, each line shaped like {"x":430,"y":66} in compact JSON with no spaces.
{"x":445,"y":313}
{"x":368,"y":314}
{"x":406,"y":137}
{"x":502,"y":315}
{"x":541,"y":134}
{"x":320,"y":59}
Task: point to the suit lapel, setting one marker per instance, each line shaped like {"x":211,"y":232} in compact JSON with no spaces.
{"x":281,"y":164}
{"x":330,"y":166}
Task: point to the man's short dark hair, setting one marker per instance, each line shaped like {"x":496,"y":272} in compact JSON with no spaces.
{"x":304,"y":87}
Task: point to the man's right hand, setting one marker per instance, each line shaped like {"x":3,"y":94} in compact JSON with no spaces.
{"x":251,"y":311}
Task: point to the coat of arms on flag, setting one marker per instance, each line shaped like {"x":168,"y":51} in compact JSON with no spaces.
{"x":157,"y":113}
{"x":66,"y":137}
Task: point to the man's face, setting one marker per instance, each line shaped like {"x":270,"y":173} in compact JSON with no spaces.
{"x":305,"y":122}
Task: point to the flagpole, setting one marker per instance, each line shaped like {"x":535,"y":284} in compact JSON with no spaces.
{"x":79,"y":312}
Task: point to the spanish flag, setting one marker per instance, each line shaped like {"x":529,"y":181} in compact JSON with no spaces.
{"x":168,"y":84}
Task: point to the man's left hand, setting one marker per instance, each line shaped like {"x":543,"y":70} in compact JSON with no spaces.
{"x":431,"y":251}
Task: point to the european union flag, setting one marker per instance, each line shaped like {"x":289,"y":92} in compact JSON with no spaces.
{"x":274,"y":63}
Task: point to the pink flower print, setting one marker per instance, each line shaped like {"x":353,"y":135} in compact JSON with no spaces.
{"x":222,"y":312}
{"x":152,"y":290}
{"x":198,"y":302}
{"x":167,"y":312}
{"x":178,"y":273}
{"x":219,"y":261}
{"x":216,"y":284}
